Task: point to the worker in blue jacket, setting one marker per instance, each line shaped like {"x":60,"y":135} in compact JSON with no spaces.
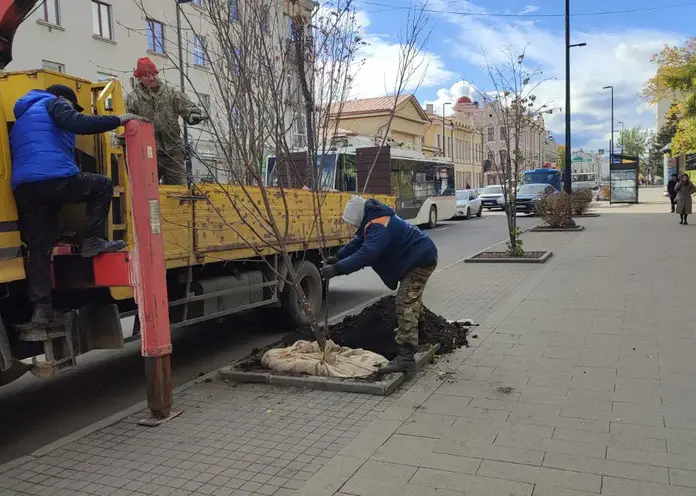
{"x":45,"y":177}
{"x":401,"y":255}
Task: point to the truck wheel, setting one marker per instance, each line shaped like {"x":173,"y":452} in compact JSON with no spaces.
{"x":432,"y":217}
{"x":310,"y":282}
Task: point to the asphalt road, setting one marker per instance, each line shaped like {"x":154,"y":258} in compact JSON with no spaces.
{"x":36,"y":412}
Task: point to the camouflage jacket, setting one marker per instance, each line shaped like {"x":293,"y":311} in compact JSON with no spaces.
{"x":163,"y":106}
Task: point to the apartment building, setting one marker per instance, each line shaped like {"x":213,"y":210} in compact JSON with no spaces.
{"x":102,"y":39}
{"x":455,"y":137}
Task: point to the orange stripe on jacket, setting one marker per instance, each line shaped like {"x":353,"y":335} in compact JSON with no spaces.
{"x":383,"y":221}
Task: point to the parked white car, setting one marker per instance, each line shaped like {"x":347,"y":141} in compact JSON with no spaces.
{"x":468,"y":203}
{"x":492,"y":197}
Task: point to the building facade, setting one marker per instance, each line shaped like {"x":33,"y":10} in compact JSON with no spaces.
{"x":455,"y":138}
{"x":371,"y":117}
{"x":531,"y":143}
{"x":103,"y":39}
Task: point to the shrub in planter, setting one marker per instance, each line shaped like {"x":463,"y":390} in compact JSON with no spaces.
{"x":581,"y":201}
{"x":555,"y":210}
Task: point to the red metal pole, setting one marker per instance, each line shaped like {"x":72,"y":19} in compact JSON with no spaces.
{"x":148,"y":272}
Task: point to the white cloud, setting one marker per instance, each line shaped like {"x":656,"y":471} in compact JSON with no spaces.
{"x":528,"y":9}
{"x":377,"y":75}
{"x":451,"y":94}
{"x":612,"y":57}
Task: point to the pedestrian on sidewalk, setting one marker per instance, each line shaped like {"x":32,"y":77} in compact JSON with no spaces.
{"x":684,"y":188}
{"x":672,"y":192}
{"x":401,"y":255}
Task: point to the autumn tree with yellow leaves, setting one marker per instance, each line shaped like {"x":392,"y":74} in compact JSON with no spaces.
{"x":675,"y":80}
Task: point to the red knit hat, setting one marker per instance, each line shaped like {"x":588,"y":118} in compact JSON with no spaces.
{"x":145,"y":67}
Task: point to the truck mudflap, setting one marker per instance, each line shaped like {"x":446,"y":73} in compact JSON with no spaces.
{"x":10,"y":368}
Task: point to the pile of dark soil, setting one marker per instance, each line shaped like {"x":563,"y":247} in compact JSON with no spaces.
{"x":373,"y":329}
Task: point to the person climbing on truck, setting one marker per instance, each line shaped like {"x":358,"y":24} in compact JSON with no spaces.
{"x":401,"y":255}
{"x":45,"y":177}
{"x":162,"y":104}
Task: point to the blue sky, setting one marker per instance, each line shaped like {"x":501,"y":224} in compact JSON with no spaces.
{"x":618,"y":53}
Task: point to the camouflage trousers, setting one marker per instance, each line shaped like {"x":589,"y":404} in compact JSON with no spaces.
{"x":171,"y":168}
{"x":409,"y":304}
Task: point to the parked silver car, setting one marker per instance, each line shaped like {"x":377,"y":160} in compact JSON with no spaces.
{"x":468,"y":203}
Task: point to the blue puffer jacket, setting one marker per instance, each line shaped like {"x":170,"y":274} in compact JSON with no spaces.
{"x":40,"y":150}
{"x":392,"y":250}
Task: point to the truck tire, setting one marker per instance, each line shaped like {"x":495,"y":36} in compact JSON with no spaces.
{"x":310,"y":282}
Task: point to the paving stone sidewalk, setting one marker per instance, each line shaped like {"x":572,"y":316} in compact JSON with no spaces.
{"x":553,"y":399}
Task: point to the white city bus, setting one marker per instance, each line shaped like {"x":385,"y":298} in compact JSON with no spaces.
{"x":424,"y":187}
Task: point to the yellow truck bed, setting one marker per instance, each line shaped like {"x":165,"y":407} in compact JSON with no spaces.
{"x":225,"y":222}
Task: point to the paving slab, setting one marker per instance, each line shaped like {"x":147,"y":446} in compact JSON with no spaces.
{"x":581,"y":381}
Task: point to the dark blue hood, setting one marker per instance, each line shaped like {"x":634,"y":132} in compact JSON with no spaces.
{"x":374,"y":210}
{"x":29,"y":100}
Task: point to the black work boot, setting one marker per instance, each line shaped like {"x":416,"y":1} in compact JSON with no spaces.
{"x":91,"y":247}
{"x":405,"y":361}
{"x":43,"y":319}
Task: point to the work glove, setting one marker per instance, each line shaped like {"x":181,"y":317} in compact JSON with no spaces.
{"x":131,"y":117}
{"x":195,"y":119}
{"x":328,"y":272}
{"x":331,"y":261}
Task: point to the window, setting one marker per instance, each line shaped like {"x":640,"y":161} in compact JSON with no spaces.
{"x":288,"y":20}
{"x":234,"y":10}
{"x":205,"y":103}
{"x":101,"y":19}
{"x":155,"y":36}
{"x":503,"y":157}
{"x":236,"y":62}
{"x":438,"y":142}
{"x":51,"y":13}
{"x":53,"y":66}
{"x":199,"y":50}
{"x":197,"y":2}
{"x":502,"y":132}
{"x":264,"y":21}
{"x":300,"y":130}
{"x":491,"y":133}
{"x":449,"y":145}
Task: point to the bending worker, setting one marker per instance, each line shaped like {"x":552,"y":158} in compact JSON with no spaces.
{"x":45,"y":177}
{"x":162,"y":104}
{"x":401,"y":255}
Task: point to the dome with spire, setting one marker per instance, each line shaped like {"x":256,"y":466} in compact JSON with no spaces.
{"x":463,"y":99}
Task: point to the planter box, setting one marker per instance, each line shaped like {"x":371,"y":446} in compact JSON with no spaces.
{"x":557,"y":229}
{"x":488,"y":256}
{"x":586,"y":214}
{"x":381,"y":386}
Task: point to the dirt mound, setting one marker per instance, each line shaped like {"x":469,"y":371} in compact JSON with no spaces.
{"x":373,"y":329}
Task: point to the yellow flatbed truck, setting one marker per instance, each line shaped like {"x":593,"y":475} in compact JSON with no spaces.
{"x":220,"y":257}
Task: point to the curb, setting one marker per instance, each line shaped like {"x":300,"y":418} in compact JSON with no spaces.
{"x":518,"y":260}
{"x":558,"y":229}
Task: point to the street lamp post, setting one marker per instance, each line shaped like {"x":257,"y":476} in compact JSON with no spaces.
{"x":444,"y":131}
{"x":567,"y":176}
{"x":611,"y":147}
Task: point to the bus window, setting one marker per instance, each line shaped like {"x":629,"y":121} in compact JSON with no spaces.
{"x":347,"y":173}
